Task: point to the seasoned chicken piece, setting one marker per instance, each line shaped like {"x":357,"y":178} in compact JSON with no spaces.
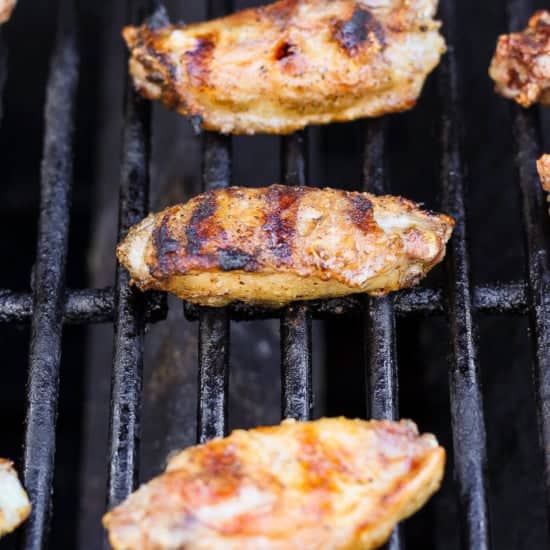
{"x":521,"y":65}
{"x":278,"y":68}
{"x":543,"y":167}
{"x":277,"y":244}
{"x":6,"y":7}
{"x":332,"y":484}
{"x":14,"y":503}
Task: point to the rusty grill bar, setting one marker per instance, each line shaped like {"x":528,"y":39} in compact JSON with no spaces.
{"x":50,"y":304}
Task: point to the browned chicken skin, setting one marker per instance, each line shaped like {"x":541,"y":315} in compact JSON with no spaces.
{"x":331,"y":484}
{"x":14,"y":502}
{"x":521,"y":65}
{"x":6,"y":7}
{"x":277,"y":244}
{"x":543,"y":167}
{"x":278,"y":68}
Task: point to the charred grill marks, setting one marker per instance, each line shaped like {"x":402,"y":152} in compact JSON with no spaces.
{"x":354,"y":32}
{"x":284,"y":50}
{"x":232,"y":259}
{"x":198,"y":60}
{"x":199,"y":229}
{"x":361,"y":213}
{"x":163,"y":60}
{"x":280,"y":220}
{"x":166,"y":248}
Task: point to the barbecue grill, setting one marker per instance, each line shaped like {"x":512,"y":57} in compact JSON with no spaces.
{"x":379,"y":324}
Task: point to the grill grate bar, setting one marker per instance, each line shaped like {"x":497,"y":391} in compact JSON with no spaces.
{"x":468,"y":425}
{"x":534,"y":214}
{"x":96,"y":305}
{"x":536,"y":227}
{"x":49,"y":280}
{"x":214,"y":322}
{"x":86,"y":306}
{"x":296,"y":366}
{"x":382,"y":385}
{"x":495,"y":299}
{"x":535,"y":221}
{"x":379,"y":318}
{"x":214,"y":330}
{"x":129,"y":318}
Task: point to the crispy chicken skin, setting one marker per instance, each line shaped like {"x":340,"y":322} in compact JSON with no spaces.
{"x":14,"y":503}
{"x":278,"y":68}
{"x":331,"y":484}
{"x":6,"y":7}
{"x":543,"y":167}
{"x":277,"y":244}
{"x":521,"y":65}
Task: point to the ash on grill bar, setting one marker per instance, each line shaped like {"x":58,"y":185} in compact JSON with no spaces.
{"x":335,"y":269}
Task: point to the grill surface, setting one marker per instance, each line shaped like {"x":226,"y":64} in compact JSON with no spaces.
{"x":51,"y":304}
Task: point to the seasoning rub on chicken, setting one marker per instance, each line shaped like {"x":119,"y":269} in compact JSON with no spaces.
{"x":277,"y":244}
{"x":331,"y":484}
{"x":278,"y":68}
{"x":521,"y":65}
{"x":14,"y":503}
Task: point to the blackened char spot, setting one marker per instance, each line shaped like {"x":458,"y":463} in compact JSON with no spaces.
{"x":163,"y":60}
{"x":360,"y":212}
{"x":198,"y":226}
{"x":280,"y":220}
{"x":167,"y":249}
{"x":284,"y":50}
{"x":351,"y":34}
{"x":198,"y":60}
{"x":231,"y":259}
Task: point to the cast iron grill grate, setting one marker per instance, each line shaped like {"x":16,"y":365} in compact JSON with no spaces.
{"x":51,"y":304}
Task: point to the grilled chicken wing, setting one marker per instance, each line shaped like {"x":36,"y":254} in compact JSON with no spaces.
{"x":278,"y":244}
{"x":332,"y":484}
{"x":543,"y":167}
{"x":521,"y":65}
{"x":6,"y":7}
{"x":278,"y":68}
{"x":14,"y":503}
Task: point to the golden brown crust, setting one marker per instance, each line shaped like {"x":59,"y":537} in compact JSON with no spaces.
{"x":278,"y":68}
{"x":543,"y":167}
{"x":6,"y":8}
{"x":335,"y":484}
{"x":521,"y":65}
{"x":278,"y":244}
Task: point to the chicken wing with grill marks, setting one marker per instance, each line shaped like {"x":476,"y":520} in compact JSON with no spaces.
{"x":278,"y":68}
{"x":332,"y":484}
{"x":521,"y":65}
{"x":14,"y":503}
{"x":278,"y":244}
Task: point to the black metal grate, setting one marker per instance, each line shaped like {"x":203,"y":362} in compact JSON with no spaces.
{"x":51,"y":305}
